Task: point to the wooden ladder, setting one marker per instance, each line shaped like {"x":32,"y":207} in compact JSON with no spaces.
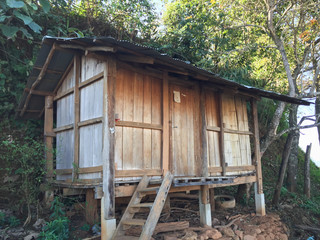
{"x":149,"y":224}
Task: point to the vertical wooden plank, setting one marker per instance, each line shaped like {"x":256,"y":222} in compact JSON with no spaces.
{"x":203,"y":133}
{"x":91,"y":207}
{"x":147,"y":106}
{"x":110,"y":70}
{"x":119,"y":112}
{"x":48,"y":126}
{"x":221,"y":136}
{"x":257,"y":155}
{"x":76,"y":69}
{"x":165,"y":123}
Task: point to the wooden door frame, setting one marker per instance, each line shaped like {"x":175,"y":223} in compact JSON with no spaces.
{"x":197,"y":127}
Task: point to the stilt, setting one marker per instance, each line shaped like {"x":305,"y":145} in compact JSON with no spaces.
{"x":204,"y":207}
{"x":212,"y":201}
{"x":108,"y":226}
{"x":91,"y":207}
{"x":260,"y":204}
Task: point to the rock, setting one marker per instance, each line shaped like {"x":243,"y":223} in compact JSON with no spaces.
{"x":228,"y":232}
{"x":258,"y":230}
{"x":211,"y":234}
{"x":235,"y":238}
{"x":249,"y":237}
{"x":39,"y":224}
{"x":261,"y":237}
{"x":31,"y":236}
{"x":239,"y":234}
{"x":190,"y":235}
{"x":283,"y":236}
{"x":215,"y":222}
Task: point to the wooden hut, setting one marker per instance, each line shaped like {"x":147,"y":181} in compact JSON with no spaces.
{"x":120,"y":114}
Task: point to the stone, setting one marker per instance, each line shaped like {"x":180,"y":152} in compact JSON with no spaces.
{"x":190,"y":235}
{"x":258,"y":230}
{"x":228,"y":232}
{"x":31,"y":236}
{"x":239,"y":234}
{"x":211,"y":234}
{"x":249,"y":237}
{"x":215,"y":221}
{"x":283,"y":236}
{"x":261,"y":237}
{"x":39,"y":224}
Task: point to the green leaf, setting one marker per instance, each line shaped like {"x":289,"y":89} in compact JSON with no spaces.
{"x":35,"y":27}
{"x":34,"y":6}
{"x":15,"y":4}
{"x":26,"y":19}
{"x":9,"y":31}
{"x":26,"y":33}
{"x":2,"y":18}
{"x":45,"y":5}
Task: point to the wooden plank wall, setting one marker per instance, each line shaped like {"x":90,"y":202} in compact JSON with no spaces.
{"x":138,"y":108}
{"x":65,"y":117}
{"x":91,"y":104}
{"x":236,"y":147}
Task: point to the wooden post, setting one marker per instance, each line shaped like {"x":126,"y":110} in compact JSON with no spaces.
{"x":48,"y":130}
{"x":165,"y":122}
{"x":108,"y":221}
{"x":307,"y":171}
{"x":204,"y":206}
{"x":109,"y":138}
{"x":212,"y":201}
{"x":76,"y":70}
{"x":203,"y":133}
{"x":91,"y":207}
{"x":259,"y":196}
{"x":48,"y":139}
{"x":221,"y":136}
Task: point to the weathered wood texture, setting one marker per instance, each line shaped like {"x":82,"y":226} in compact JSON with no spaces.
{"x":48,"y":125}
{"x":91,"y":107}
{"x":65,"y":117}
{"x":236,"y":133}
{"x":138,"y":104}
{"x":185,"y":125}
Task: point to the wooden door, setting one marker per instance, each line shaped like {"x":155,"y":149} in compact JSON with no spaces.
{"x":184,"y":120}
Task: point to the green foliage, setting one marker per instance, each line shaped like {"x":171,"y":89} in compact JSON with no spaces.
{"x":10,"y":221}
{"x":23,"y":160}
{"x":58,"y":227}
{"x":85,"y":227}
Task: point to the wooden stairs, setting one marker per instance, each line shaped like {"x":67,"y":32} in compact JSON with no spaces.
{"x":149,"y":224}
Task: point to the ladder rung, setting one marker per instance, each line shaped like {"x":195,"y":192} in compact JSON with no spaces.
{"x":137,"y":222}
{"x":150,"y":189}
{"x":149,"y":205}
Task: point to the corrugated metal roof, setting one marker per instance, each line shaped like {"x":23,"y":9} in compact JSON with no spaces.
{"x":61,"y":60}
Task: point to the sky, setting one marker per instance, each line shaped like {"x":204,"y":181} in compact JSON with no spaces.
{"x":309,"y":135}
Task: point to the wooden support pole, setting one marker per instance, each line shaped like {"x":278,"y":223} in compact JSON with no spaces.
{"x":91,"y":207}
{"x":203,"y":133}
{"x":212,"y":201}
{"x":109,"y":138}
{"x":165,"y":123}
{"x":76,"y":69}
{"x":221,"y":136}
{"x":48,"y":127}
{"x":257,"y":155}
{"x":204,"y":206}
{"x":307,"y":171}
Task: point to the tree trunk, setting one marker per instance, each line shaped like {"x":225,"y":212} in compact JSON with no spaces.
{"x":283,"y":168}
{"x":307,"y":171}
{"x":317,"y":111}
{"x":293,"y":158}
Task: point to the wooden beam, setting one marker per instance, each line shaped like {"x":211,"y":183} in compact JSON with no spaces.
{"x":108,"y":158}
{"x":79,"y":170}
{"x":139,"y":125}
{"x":148,"y":71}
{"x":63,"y":128}
{"x":232,"y":169}
{"x":165,"y":124}
{"x":39,"y":78}
{"x":37,"y":92}
{"x":91,"y":80}
{"x":48,"y":127}
{"x":90,"y":122}
{"x":91,"y":207}
{"x":227,"y":130}
{"x":257,"y":155}
{"x":93,"y":48}
{"x":63,"y":94}
{"x":221,"y":135}
{"x":65,"y":74}
{"x":48,"y":70}
{"x":76,"y":73}
{"x":136,"y":59}
{"x":137,"y":173}
{"x":203,"y":133}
